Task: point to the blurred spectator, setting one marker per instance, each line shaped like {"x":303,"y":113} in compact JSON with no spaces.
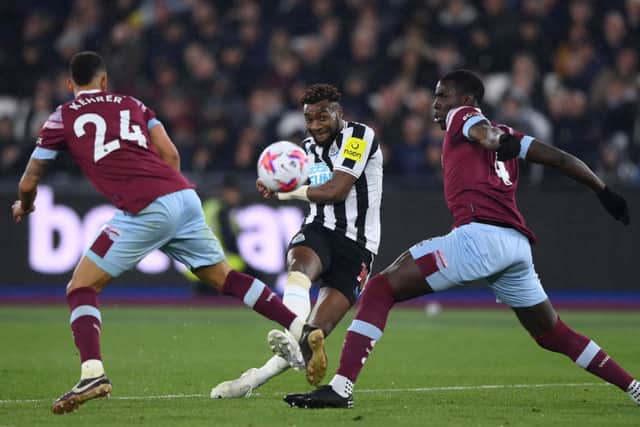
{"x":574,"y":129}
{"x":515,"y":110}
{"x":224,"y":77}
{"x":10,"y":151}
{"x":615,"y":35}
{"x":614,"y":165}
{"x":412,"y":157}
{"x":523,"y":81}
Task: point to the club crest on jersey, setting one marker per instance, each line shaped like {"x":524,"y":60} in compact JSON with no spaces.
{"x":354,"y":149}
{"x":333,"y":151}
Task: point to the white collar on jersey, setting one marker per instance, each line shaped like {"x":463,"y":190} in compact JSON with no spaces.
{"x":82,"y":92}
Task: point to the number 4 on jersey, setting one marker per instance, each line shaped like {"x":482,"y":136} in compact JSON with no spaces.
{"x":502,"y":172}
{"x":102,"y":149}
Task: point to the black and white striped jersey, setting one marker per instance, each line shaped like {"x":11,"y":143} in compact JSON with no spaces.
{"x":354,"y":151}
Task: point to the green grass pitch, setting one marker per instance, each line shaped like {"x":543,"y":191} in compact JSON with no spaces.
{"x":460,"y":368}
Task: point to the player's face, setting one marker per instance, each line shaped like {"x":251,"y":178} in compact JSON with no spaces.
{"x":445,"y":98}
{"x":322,"y":120}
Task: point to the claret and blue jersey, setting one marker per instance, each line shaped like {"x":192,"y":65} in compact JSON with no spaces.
{"x":108,"y":136}
{"x":477,"y":186}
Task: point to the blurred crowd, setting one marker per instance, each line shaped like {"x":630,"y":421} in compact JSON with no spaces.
{"x":225,"y":76}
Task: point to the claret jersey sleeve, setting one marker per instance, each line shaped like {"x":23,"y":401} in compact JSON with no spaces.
{"x":51,"y":138}
{"x":461,"y":119}
{"x":477,"y":186}
{"x":148,"y":114}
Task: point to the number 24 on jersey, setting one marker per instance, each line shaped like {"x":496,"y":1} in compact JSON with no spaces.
{"x":102,"y":149}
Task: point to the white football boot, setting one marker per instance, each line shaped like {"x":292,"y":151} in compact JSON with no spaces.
{"x":283,"y":344}
{"x":634,"y":391}
{"x":240,"y":387}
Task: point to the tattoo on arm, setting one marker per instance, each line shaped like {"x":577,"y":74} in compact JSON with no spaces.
{"x":28,"y":186}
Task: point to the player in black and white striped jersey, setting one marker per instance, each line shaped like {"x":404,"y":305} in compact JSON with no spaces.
{"x":337,"y":242}
{"x":355,"y":152}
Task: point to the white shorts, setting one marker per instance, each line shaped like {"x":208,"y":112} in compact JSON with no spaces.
{"x":173,"y":223}
{"x":477,"y":251}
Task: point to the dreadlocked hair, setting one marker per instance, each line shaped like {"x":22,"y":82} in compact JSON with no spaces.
{"x":320,"y":92}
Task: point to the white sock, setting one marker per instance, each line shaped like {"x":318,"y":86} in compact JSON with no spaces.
{"x":296,"y":294}
{"x":296,"y":328}
{"x":342,"y":385}
{"x":91,"y":368}
{"x":274,"y":366}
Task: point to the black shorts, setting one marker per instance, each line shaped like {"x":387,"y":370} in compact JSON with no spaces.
{"x":345,"y":264}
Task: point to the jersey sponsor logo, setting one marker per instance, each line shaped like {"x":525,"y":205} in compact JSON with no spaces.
{"x":319,"y":173}
{"x":469,"y":115}
{"x":354,"y":149}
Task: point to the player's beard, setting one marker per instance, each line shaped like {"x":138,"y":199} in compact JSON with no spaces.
{"x":331,"y":136}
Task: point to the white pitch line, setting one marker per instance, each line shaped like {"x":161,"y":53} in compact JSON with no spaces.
{"x":379,"y":390}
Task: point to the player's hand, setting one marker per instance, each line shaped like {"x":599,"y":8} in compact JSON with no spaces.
{"x":262,"y":189}
{"x":509,"y":147}
{"x":615,"y":204}
{"x":19,"y":212}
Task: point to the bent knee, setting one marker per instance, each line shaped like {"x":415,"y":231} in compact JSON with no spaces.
{"x":214,"y":275}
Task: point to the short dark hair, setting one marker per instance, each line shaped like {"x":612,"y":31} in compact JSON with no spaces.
{"x":320,"y":92}
{"x":466,"y":82}
{"x":84,"y":66}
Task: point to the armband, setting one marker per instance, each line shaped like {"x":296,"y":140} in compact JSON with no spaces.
{"x":509,"y":147}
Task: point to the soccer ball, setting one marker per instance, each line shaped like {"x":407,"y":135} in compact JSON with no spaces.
{"x":283,"y":166}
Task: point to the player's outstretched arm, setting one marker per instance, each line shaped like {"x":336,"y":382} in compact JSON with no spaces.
{"x":575,"y":168}
{"x":570,"y":165}
{"x":508,"y":146}
{"x":334,"y":190}
{"x":167,"y":150}
{"x":28,"y":188}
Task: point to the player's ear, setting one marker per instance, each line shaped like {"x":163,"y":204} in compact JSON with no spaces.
{"x":469,"y":100}
{"x":103,"y":83}
{"x":70,"y":85}
{"x":338,"y":110}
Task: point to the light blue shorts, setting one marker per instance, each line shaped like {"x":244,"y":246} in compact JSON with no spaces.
{"x":501,"y":256}
{"x":173,"y":223}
